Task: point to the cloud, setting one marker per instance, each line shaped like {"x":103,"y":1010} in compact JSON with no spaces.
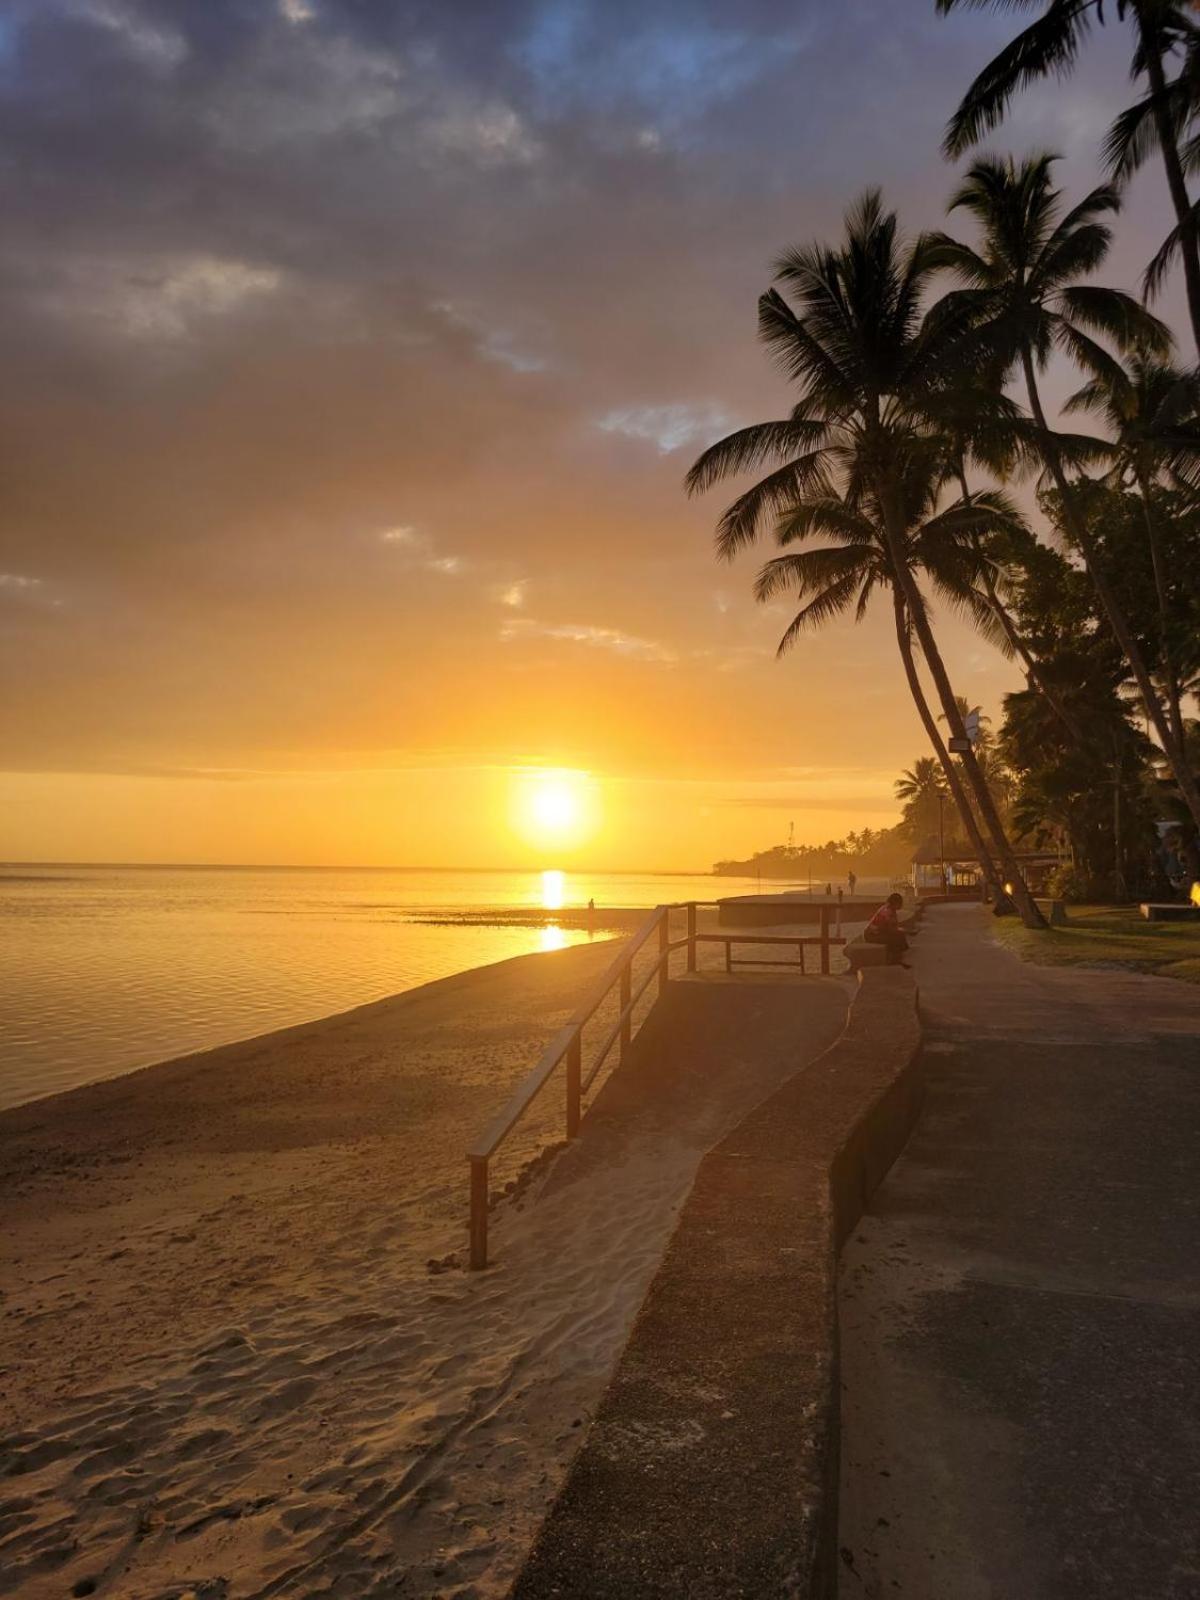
{"x":154,"y":45}
{"x":154,"y":298}
{"x":324,"y":318}
{"x":669,"y":427}
{"x":621,"y":644}
{"x":676,"y":62}
{"x":21,"y":589}
{"x":422,"y":550}
{"x":492,"y":136}
{"x":496,"y":344}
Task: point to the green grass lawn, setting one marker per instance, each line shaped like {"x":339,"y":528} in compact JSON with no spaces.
{"x":1109,"y":936}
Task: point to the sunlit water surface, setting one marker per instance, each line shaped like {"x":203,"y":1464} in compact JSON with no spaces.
{"x":105,"y":969}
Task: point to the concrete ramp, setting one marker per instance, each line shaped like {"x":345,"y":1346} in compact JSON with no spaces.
{"x":710,"y":1468}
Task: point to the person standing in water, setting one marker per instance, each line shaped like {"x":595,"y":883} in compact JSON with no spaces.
{"x":851,"y":880}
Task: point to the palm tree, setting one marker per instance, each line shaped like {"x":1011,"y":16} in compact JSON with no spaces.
{"x":1050,"y":46}
{"x":1022,"y":295}
{"x":922,"y":781}
{"x":1151,"y":409}
{"x":871,"y":363}
{"x":994,"y":440}
{"x":807,"y":574}
{"x":843,"y":574}
{"x":922,"y":789}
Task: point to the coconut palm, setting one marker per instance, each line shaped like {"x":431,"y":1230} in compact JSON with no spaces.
{"x":1151,"y":410}
{"x":871,"y":362}
{"x":856,"y":562}
{"x":1021,"y":292}
{"x":993,"y":438}
{"x":922,"y":781}
{"x":806,"y":574}
{"x":1049,"y":47}
{"x":923,"y":791}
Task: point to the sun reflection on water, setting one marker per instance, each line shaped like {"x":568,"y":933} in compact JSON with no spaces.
{"x":553,"y":889}
{"x":552,"y":937}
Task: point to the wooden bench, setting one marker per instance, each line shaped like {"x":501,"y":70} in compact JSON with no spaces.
{"x":1169,"y":911}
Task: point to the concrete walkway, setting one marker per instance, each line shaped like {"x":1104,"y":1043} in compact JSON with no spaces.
{"x":1021,"y":1304}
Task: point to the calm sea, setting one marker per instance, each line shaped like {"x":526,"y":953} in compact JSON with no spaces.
{"x":104,"y":969}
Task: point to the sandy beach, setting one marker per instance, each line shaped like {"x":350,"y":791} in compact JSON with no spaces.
{"x":227,"y":1366}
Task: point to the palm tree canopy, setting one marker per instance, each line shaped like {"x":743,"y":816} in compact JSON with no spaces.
{"x":874,"y":364}
{"x":1021,"y":286}
{"x":921,"y":780}
{"x":1151,"y":409}
{"x":949,"y":544}
{"x":1049,"y":47}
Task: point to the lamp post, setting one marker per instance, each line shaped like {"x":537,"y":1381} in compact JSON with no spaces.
{"x":942,"y":838}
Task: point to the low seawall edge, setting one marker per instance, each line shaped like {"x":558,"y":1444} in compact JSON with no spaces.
{"x":711,"y":1466}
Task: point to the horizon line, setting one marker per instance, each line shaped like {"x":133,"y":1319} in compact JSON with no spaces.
{"x":293,"y":866}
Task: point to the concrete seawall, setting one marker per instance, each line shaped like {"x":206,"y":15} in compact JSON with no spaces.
{"x":711,"y":1466}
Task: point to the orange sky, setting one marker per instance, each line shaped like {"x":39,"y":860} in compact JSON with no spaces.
{"x":354,"y":359}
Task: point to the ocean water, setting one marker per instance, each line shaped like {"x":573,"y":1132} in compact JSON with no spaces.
{"x":106,"y":969}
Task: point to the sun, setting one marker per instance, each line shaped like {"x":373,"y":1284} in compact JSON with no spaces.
{"x":553,"y":807}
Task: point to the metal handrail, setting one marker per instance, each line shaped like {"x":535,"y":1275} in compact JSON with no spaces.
{"x":567,"y":1044}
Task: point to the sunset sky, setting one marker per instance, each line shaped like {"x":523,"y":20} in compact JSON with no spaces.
{"x":354,"y":353}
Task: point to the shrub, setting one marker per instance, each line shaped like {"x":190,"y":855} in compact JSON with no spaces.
{"x":1076,"y":886}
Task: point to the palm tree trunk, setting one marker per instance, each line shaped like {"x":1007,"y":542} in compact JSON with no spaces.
{"x":904,"y":640}
{"x":1176,"y":183}
{"x":1170,"y":680}
{"x":1119,"y":623}
{"x":1119,"y":890}
{"x":902,"y":575}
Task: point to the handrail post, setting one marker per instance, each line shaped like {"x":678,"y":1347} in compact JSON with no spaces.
{"x":825,"y":940}
{"x":574,"y":1074}
{"x":626,"y":1019}
{"x":479,"y":1213}
{"x":664,"y":955}
{"x":691,"y":935}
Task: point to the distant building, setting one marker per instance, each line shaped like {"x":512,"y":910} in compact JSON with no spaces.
{"x":954,"y":869}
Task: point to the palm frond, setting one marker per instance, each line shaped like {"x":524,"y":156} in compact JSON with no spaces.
{"x":823,"y":608}
{"x":740,"y":523}
{"x":828,"y":514}
{"x":1133,"y":136}
{"x":798,"y":352}
{"x":808,"y":572}
{"x":1116,"y":316}
{"x":1049,"y":45}
{"x":1155,"y":274}
{"x":752,"y":447}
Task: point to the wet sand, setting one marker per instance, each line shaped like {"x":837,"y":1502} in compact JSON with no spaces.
{"x":226,"y":1366}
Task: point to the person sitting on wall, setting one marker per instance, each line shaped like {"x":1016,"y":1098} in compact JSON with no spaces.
{"x":884,"y":928}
